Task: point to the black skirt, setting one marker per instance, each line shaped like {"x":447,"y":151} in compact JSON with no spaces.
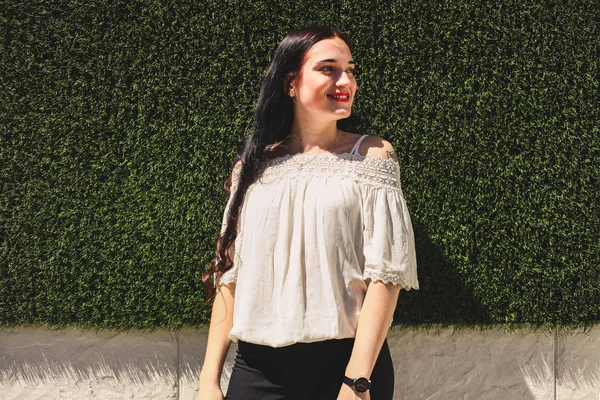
{"x":302,"y":371}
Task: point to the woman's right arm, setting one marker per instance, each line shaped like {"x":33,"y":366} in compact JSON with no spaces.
{"x":221,"y":320}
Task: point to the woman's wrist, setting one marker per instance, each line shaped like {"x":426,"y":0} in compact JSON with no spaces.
{"x":358,"y":372}
{"x":362,"y":360}
{"x":346,"y":392}
{"x":209,"y":378}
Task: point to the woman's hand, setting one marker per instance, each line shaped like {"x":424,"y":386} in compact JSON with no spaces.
{"x":210,"y":392}
{"x":221,"y":321}
{"x":347,"y":393}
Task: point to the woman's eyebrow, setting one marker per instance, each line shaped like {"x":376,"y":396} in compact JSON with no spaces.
{"x":332,"y":60}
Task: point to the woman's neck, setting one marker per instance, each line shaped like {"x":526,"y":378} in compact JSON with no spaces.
{"x":306,"y":138}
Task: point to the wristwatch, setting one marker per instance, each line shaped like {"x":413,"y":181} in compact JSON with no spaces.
{"x":361,"y":385}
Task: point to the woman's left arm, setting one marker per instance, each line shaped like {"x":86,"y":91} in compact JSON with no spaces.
{"x":377,"y":309}
{"x":373,"y":324}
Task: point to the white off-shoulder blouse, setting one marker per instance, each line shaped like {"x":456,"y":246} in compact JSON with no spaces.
{"x":313,"y":230}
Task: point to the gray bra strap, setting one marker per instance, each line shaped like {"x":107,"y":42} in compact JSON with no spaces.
{"x":357,"y":145}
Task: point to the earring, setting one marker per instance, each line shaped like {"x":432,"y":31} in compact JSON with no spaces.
{"x":292,"y":93}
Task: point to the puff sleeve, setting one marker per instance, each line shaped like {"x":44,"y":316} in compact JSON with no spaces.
{"x":231,"y":275}
{"x":388,"y":239}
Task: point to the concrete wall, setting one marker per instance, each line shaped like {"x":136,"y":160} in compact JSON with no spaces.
{"x":435,"y":364}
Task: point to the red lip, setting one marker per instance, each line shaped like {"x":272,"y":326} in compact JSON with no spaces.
{"x":341,"y":100}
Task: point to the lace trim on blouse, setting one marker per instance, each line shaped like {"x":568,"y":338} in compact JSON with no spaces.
{"x":375,"y":171}
{"x":226,"y":278}
{"x":394,"y":279}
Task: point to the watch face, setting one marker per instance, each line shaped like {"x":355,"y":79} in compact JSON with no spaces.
{"x":361,"y":385}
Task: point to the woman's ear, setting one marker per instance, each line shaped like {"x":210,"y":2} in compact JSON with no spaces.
{"x":288,"y":85}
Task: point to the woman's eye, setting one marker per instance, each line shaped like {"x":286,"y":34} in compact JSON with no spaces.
{"x":329,"y":68}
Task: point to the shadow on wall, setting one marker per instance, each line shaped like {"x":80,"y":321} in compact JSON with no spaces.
{"x":442,"y":298}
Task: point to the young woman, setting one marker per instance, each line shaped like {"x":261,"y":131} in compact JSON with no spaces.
{"x":316,"y":241}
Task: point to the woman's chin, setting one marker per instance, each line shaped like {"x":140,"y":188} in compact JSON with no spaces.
{"x":342,"y":113}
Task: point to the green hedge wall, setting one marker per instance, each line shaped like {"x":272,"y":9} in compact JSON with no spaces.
{"x":120,"y":119}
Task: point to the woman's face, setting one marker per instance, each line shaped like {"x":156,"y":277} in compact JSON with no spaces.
{"x":326,"y":85}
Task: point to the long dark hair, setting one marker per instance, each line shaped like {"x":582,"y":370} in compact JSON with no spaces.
{"x":272,"y":123}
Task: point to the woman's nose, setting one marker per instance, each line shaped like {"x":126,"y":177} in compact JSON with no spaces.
{"x":344,"y":79}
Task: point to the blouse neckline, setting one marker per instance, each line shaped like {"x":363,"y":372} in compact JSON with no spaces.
{"x":327,"y":154}
{"x":375,"y":171}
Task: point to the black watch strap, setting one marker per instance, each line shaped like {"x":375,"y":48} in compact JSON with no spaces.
{"x":360,"y":385}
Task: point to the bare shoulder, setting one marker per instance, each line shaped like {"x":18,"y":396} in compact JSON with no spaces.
{"x":377,"y":147}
